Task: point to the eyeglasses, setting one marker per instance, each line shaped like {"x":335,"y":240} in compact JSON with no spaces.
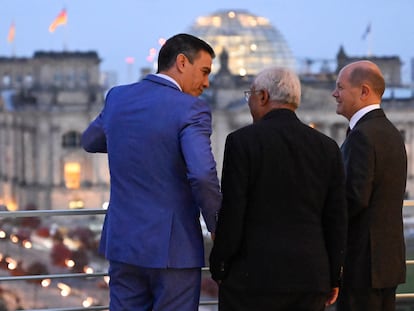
{"x":249,"y":93}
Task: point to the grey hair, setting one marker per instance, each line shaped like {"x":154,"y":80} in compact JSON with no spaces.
{"x":282,"y":84}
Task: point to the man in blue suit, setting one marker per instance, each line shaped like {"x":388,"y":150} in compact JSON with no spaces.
{"x":157,"y":136}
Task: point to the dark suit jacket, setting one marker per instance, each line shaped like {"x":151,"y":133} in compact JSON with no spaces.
{"x":376,"y":172}
{"x":162,"y":174}
{"x":282,"y":226}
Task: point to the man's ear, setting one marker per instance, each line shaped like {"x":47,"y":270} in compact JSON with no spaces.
{"x":180,"y":62}
{"x":365,"y":90}
{"x":264,"y":97}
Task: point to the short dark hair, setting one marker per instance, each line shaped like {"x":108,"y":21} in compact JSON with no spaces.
{"x":182,"y":43}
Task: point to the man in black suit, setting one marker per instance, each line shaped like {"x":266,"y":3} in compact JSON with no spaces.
{"x":376,"y":171}
{"x":281,"y":231}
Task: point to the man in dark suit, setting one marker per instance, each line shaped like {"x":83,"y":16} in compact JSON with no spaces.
{"x":281,"y":231}
{"x":157,"y":136}
{"x":376,"y":172}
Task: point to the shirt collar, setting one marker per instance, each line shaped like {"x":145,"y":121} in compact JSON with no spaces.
{"x":161,"y":75}
{"x":360,"y":113}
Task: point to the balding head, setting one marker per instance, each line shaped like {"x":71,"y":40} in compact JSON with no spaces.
{"x":358,"y":85}
{"x":365,"y":71}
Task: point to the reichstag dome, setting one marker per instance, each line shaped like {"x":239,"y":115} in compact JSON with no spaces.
{"x":251,"y":42}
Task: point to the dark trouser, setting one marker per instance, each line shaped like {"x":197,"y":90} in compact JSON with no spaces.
{"x":231,"y":299}
{"x":145,"y":289}
{"x":357,"y":299}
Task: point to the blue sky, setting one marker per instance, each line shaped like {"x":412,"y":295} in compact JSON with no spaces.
{"x":130,"y":28}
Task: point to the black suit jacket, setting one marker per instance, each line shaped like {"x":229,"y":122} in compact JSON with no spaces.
{"x":376,"y":173}
{"x":282,"y":226}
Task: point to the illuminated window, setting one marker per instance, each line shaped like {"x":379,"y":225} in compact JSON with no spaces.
{"x":72,"y":175}
{"x":76,"y":204}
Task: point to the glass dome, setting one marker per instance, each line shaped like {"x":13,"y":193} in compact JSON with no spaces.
{"x":251,"y":42}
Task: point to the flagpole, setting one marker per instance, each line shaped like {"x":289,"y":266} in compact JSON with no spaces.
{"x":11,"y":38}
{"x":369,"y":44}
{"x":13,"y":51}
{"x":65,"y":38}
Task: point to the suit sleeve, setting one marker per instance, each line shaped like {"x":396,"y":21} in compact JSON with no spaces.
{"x":93,"y":138}
{"x":201,"y":166}
{"x":232,"y":214}
{"x":359,"y":170}
{"x":335,"y":216}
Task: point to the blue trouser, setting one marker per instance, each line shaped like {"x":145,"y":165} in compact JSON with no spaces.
{"x":145,"y":289}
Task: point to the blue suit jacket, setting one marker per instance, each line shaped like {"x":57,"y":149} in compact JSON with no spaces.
{"x":162,"y":174}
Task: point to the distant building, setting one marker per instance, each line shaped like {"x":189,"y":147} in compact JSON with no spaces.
{"x":226,"y":29}
{"x":46,"y":101}
{"x":250,"y":41}
{"x":390,"y":66}
{"x":318,"y":108}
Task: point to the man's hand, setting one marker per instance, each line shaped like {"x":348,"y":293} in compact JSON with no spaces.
{"x":332,"y":296}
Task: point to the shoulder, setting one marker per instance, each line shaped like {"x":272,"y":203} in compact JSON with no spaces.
{"x":245,"y":131}
{"x":321,"y":136}
{"x":247,"y":136}
{"x":376,"y":126}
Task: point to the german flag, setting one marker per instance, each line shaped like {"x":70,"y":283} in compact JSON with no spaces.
{"x":60,"y":20}
{"x":12,"y":33}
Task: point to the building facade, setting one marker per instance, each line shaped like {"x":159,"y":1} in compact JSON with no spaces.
{"x":46,"y":102}
{"x":317,"y":109}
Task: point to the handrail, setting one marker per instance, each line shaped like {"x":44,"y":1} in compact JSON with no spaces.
{"x":59,"y":276}
{"x":72,"y":212}
{"x":52,"y":276}
{"x":41,"y":213}
{"x":96,"y":308}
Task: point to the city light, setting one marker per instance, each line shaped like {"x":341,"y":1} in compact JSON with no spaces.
{"x":69,"y":263}
{"x":161,"y":41}
{"x":87,"y":302}
{"x":88,"y":270}
{"x":152,"y":55}
{"x":130,"y":60}
{"x":46,"y":283}
{"x":14,"y":238}
{"x":64,"y":289}
{"x":12,"y":264}
{"x":106,"y":279}
{"x":75,"y":204}
{"x":27,"y":244}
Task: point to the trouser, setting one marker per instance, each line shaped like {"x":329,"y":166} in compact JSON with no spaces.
{"x":362,"y":299}
{"x":145,"y":289}
{"x":234,"y":299}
